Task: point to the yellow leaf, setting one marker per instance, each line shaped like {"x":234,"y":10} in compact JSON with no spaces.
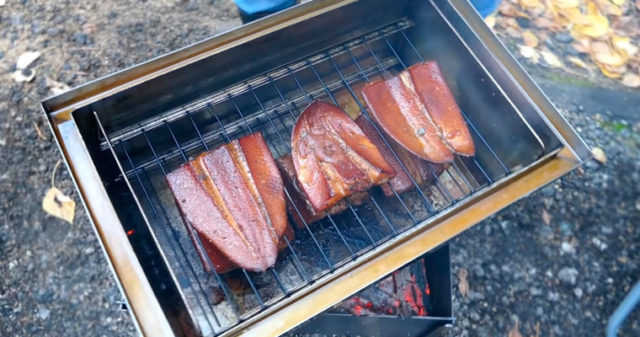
{"x":598,"y":154}
{"x":618,"y":2}
{"x":565,"y":3}
{"x":59,"y":205}
{"x":551,"y":59}
{"x":577,"y":62}
{"x":623,"y":43}
{"x":611,"y":72}
{"x":596,"y":25}
{"x":631,"y":80}
{"x":529,"y":53}
{"x":490,"y":21}
{"x":529,"y":39}
{"x":530,"y":3}
{"x":609,"y":57}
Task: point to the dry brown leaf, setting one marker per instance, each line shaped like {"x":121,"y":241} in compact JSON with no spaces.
{"x":515,"y":331}
{"x":596,"y":25}
{"x":577,"y":62}
{"x":551,"y":59}
{"x":529,"y":53}
{"x":513,"y":32}
{"x":55,"y":86}
{"x":59,"y":205}
{"x":546,"y":217}
{"x":529,"y":39}
{"x":631,"y":80}
{"x":463,"y":284}
{"x":598,"y":154}
{"x":582,"y":45}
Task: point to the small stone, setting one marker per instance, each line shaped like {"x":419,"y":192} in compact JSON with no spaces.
{"x":474,"y":316}
{"x":599,"y":243}
{"x":563,"y":37}
{"x":568,"y":248}
{"x":553,"y":296}
{"x":548,"y":191}
{"x":80,"y":38}
{"x":535,"y":291}
{"x":566,"y":228}
{"x":43,"y":313}
{"x":478,"y":271}
{"x":539,"y":311}
{"x":52,"y":31}
{"x":577,"y":292}
{"x":568,"y":275}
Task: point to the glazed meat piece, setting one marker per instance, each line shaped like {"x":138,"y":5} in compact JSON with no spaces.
{"x":436,"y":96}
{"x":233,"y":198}
{"x":199,"y":211}
{"x":333,"y":158}
{"x":301,"y":205}
{"x":396,"y":107}
{"x":401,"y":181}
{"x":418,"y":168}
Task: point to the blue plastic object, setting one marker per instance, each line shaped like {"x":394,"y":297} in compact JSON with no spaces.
{"x":485,"y":7}
{"x":252,"y":7}
{"x":625,"y":308}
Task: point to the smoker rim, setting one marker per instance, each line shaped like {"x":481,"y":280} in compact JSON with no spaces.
{"x":145,"y":309}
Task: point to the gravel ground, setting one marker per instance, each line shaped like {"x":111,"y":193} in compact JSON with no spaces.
{"x":565,"y":277}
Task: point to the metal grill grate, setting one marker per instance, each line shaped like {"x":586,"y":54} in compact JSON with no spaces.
{"x":270,"y":103}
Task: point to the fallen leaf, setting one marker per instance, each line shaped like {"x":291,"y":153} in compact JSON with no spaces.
{"x":546,"y":217}
{"x":618,"y":2}
{"x":38,"y":131}
{"x":463,"y":284}
{"x":610,"y":57}
{"x":551,"y":59}
{"x":582,"y":45}
{"x":25,"y":59}
{"x":530,"y":3}
{"x":577,"y":62}
{"x":596,"y":24}
{"x":490,"y":21}
{"x":631,"y":80}
{"x":59,"y":205}
{"x":638,"y":4}
{"x":529,"y":53}
{"x":55,"y":86}
{"x":565,"y":3}
{"x":598,"y":154}
{"x":513,"y":32}
{"x":624,"y":44}
{"x":23,"y":75}
{"x":612,"y":72}
{"x":515,"y":331}
{"x":89,"y":28}
{"x":529,"y":39}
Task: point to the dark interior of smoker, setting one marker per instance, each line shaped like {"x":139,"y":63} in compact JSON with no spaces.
{"x":262,"y":85}
{"x":437,"y":277}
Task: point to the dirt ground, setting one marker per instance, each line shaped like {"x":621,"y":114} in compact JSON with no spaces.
{"x":561,"y":278}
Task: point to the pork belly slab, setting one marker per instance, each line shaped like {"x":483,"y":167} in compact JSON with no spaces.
{"x":396,"y":107}
{"x":233,"y":198}
{"x":333,"y":158}
{"x":435,"y":94}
